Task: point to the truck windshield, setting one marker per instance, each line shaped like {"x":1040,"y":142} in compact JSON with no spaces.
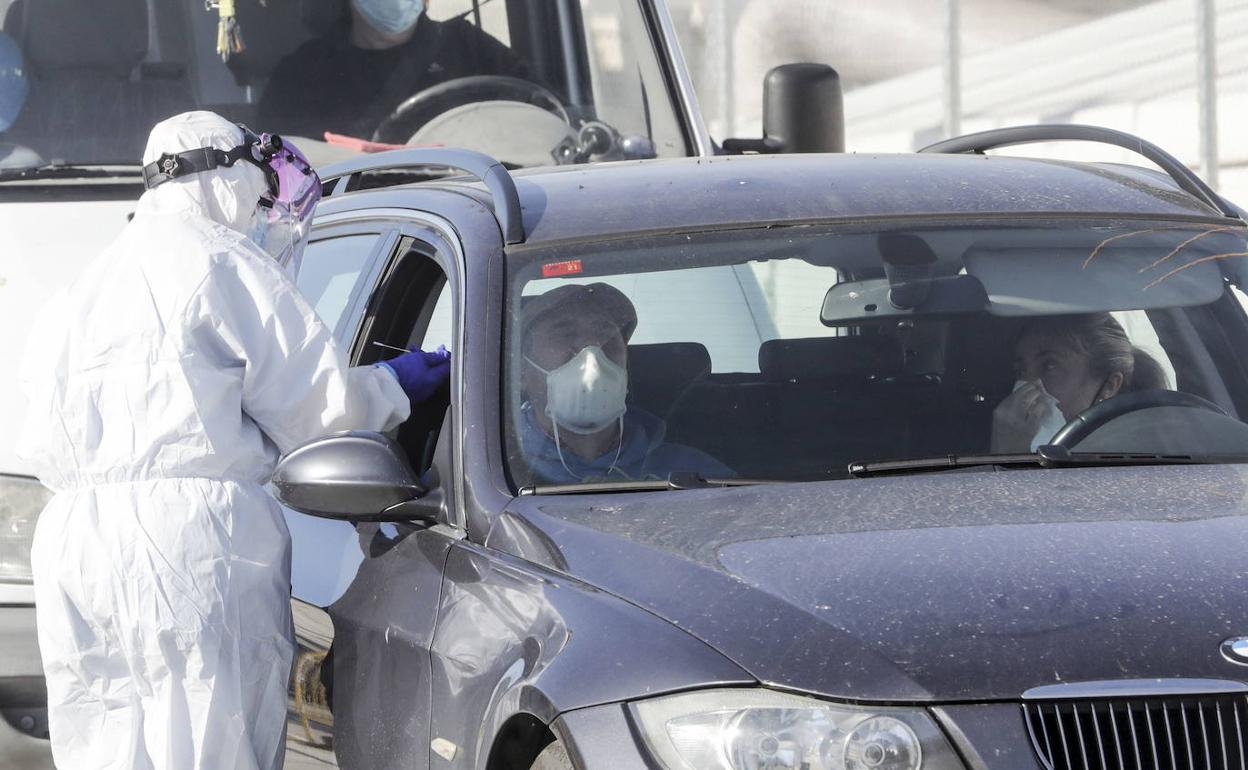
{"x":567,"y":81}
{"x":790,"y":353}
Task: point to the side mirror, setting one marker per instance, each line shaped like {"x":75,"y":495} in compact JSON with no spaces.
{"x":803,"y":111}
{"x":354,"y":476}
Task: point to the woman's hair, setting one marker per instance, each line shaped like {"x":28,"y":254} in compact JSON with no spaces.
{"x":1105,"y":342}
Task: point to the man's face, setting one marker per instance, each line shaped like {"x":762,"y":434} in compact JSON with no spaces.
{"x":555,"y":338}
{"x":370,"y":34}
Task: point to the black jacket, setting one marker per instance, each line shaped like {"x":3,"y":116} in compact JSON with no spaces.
{"x":328,"y":84}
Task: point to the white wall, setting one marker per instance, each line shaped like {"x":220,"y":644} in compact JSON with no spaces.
{"x":1126,"y":64}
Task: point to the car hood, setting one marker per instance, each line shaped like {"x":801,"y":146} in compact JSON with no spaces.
{"x":953,"y":586}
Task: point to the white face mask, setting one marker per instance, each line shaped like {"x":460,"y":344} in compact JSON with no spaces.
{"x":1051,"y":419}
{"x":586,"y":394}
{"x":392,"y":16}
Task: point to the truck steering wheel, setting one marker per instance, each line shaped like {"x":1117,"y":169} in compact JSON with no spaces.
{"x":420,"y":108}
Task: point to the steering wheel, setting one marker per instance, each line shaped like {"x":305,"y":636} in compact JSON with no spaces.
{"x":420,"y":108}
{"x":1095,"y":417}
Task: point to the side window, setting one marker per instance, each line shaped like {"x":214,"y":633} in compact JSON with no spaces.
{"x":490,"y":17}
{"x":330,"y":272}
{"x":439,"y":331}
{"x":1142,"y":334}
{"x":412,"y":310}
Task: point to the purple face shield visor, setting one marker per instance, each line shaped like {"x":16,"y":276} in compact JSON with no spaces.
{"x":285,"y":210}
{"x":285,"y":215}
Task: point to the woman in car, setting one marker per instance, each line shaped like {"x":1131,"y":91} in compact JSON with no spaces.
{"x":1064,"y":365}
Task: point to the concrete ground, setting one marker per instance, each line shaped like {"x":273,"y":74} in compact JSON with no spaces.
{"x":302,"y":754}
{"x":309,"y":724}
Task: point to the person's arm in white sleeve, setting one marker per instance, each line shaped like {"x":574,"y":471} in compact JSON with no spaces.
{"x":296,"y":383}
{"x":377,"y":398}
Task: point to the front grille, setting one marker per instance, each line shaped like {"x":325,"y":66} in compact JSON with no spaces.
{"x":1173,"y":733}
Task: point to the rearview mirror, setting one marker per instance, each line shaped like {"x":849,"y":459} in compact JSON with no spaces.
{"x":854,"y":302}
{"x":355,"y":476}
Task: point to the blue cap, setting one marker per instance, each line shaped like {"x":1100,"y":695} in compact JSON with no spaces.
{"x":12,"y":82}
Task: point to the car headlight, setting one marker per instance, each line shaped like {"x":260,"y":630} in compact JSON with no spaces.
{"x":766,"y":730}
{"x":21,"y":500}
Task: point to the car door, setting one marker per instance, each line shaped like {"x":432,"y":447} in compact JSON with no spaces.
{"x":340,"y":265}
{"x":378,"y":584}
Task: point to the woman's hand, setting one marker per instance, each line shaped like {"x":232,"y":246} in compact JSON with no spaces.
{"x":1017,"y":418}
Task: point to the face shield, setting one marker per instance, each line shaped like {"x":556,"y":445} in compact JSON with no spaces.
{"x":284,"y":211}
{"x":284,"y":217}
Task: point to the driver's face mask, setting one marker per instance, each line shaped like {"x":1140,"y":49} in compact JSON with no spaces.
{"x":283,"y":213}
{"x":392,"y":16}
{"x":586,"y":394}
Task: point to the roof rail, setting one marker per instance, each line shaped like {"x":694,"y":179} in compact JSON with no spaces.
{"x":490,"y":171}
{"x":1062,"y":132}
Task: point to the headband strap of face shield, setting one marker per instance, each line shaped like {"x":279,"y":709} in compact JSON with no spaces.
{"x":256,"y":149}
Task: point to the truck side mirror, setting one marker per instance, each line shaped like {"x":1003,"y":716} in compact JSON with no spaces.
{"x":803,"y":111}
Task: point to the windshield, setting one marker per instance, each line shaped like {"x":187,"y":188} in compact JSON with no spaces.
{"x":789,"y":353}
{"x":568,"y":81}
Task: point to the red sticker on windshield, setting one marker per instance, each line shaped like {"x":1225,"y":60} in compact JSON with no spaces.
{"x":556,"y":269}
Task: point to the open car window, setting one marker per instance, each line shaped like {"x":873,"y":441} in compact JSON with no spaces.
{"x":790,"y":353}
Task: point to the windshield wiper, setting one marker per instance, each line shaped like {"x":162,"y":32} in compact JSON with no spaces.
{"x":1048,"y":456}
{"x":56,"y":170}
{"x":674,"y":481}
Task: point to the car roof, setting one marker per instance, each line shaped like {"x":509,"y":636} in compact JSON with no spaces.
{"x":615,"y":199}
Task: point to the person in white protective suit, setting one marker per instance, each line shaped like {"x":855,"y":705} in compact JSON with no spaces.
{"x":162,"y":387}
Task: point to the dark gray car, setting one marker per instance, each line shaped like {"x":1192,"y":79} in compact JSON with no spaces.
{"x":826,"y":532}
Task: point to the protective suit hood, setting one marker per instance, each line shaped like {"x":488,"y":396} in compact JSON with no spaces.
{"x":227,"y":196}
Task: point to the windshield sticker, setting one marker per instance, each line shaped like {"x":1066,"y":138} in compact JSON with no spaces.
{"x":567,"y":267}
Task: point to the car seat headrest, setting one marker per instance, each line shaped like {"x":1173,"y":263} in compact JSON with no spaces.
{"x":828,"y":358}
{"x":107,"y":34}
{"x":658,"y":374}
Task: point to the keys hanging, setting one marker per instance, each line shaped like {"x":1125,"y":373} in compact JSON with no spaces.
{"x":229,"y":33}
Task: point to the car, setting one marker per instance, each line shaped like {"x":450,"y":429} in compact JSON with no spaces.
{"x":605,"y":79}
{"x":830,"y":558}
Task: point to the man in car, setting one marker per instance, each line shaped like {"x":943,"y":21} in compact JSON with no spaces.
{"x":349,"y":80}
{"x":576,"y":426}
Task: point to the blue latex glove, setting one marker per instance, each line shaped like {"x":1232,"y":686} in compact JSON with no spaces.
{"x":421,"y":373}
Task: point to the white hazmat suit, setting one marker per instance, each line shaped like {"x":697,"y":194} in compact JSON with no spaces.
{"x":162,"y":387}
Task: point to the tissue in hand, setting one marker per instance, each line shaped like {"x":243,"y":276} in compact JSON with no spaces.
{"x":1051,"y":418}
